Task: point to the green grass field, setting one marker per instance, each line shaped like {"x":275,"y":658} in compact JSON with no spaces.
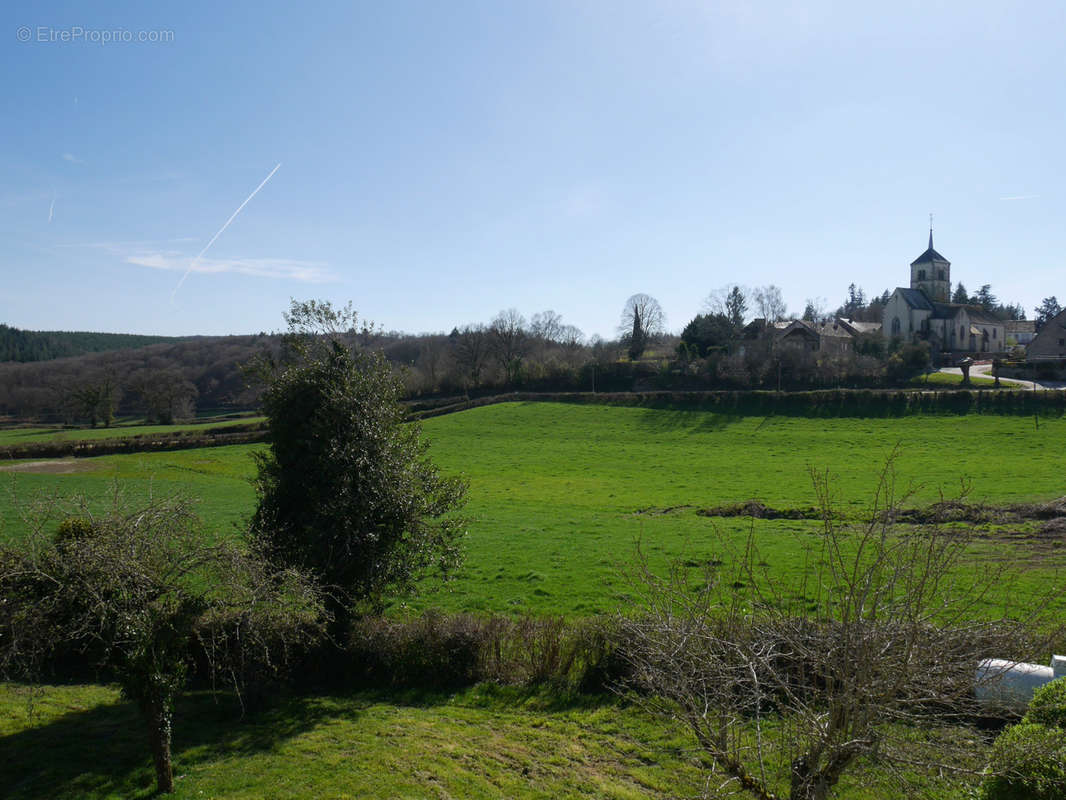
{"x":559,"y":497}
{"x":121,"y":430}
{"x":560,"y":494}
{"x":78,"y":742}
{"x":938,"y":379}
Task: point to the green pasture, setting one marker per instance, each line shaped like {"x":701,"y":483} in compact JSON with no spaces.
{"x":66,"y":742}
{"x":560,"y":495}
{"x":121,"y":430}
{"x":940,"y":379}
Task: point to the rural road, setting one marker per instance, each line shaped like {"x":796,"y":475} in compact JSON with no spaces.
{"x":984,"y":369}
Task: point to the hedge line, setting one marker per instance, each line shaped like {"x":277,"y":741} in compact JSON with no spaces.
{"x":140,"y":443}
{"x":818,"y":403}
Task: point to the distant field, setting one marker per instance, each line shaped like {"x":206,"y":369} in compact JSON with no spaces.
{"x":561,"y":494}
{"x":118,"y":431}
{"x":950,"y":379}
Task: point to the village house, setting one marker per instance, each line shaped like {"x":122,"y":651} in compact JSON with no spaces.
{"x":1050,"y":343}
{"x":832,"y":338}
{"x":923,"y":313}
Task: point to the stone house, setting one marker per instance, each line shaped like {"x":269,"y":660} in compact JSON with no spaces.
{"x":923,"y":313}
{"x":832,"y":338}
{"x":1050,"y":343}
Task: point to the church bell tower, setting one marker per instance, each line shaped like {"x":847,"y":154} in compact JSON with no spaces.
{"x":931,"y":273}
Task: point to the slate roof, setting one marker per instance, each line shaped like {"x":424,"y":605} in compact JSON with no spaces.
{"x":976,"y":313}
{"x":915,"y":298}
{"x":946,"y":310}
{"x":829,"y":329}
{"x":930,"y":255}
{"x":860,"y":327}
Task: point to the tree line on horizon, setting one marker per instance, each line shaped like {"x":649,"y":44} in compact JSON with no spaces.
{"x":720,"y":348}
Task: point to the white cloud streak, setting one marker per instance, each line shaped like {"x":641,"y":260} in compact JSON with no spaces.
{"x":290,"y":269}
{"x":52,"y":208}
{"x":71,"y":158}
{"x":1021,"y":197}
{"x":233,"y":216}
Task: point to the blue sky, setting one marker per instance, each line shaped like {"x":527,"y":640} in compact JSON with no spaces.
{"x":443,"y":161}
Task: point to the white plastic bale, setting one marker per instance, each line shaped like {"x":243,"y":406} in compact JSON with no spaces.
{"x":1009,"y":685}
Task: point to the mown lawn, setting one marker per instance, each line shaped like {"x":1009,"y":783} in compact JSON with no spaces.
{"x":560,"y":494}
{"x":485,"y":742}
{"x":84,"y":742}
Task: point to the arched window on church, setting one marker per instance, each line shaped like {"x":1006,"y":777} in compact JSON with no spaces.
{"x":895,"y":326}
{"x":962,"y":332}
{"x":940,"y":274}
{"x":921,"y":274}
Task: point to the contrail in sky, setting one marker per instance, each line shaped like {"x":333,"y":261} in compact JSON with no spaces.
{"x":51,"y":208}
{"x":233,"y":216}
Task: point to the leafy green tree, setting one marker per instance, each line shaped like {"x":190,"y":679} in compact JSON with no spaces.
{"x":346,"y":489}
{"x":1047,"y":310}
{"x":137,"y":593}
{"x":856,"y":300}
{"x":736,"y":307}
{"x":985,"y":298}
{"x":960,"y":295}
{"x":707,"y":332}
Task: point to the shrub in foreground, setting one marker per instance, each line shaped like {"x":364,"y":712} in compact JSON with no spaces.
{"x":1029,"y":759}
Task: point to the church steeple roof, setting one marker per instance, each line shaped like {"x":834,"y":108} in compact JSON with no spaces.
{"x":930,"y":255}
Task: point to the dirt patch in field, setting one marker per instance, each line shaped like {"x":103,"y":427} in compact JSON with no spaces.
{"x":62,"y":466}
{"x":1053,"y":513}
{"x":658,"y":512}
{"x":756,"y":510}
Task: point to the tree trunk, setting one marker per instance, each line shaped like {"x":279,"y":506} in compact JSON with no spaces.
{"x":159,"y":722}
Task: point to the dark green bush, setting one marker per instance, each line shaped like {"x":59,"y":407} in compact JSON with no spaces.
{"x":1029,"y":760}
{"x":1029,"y":763}
{"x":1048,"y":706}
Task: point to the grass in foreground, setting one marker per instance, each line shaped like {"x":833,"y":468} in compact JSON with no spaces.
{"x":83,"y":742}
{"x":485,"y":742}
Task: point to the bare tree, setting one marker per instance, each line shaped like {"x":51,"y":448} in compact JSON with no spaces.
{"x":731,"y":301}
{"x":433,"y":359}
{"x":642,"y":322}
{"x":785,"y":687}
{"x":166,"y":395}
{"x":471,"y":351}
{"x":770,"y":303}
{"x":509,"y":342}
{"x":547,"y":326}
{"x":139,"y":592}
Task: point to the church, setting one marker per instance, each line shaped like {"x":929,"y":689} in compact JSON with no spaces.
{"x":923,"y":312}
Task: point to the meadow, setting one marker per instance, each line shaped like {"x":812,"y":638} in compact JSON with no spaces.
{"x":122,"y":430}
{"x":560,"y":497}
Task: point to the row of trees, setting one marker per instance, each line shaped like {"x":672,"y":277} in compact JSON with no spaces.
{"x":169,"y":381}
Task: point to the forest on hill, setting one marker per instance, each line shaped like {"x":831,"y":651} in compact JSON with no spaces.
{"x":26,"y":346}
